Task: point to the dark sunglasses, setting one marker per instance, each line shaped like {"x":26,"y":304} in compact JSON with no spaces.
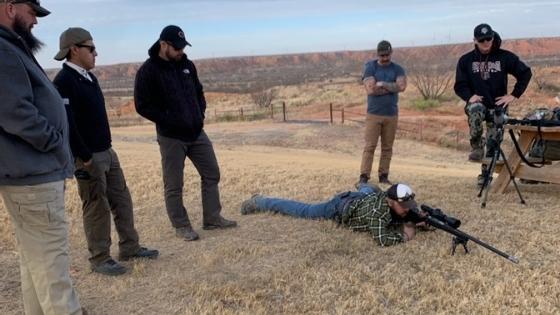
{"x":482,"y":40}
{"x":174,"y":48}
{"x":384,"y":55}
{"x":91,"y":48}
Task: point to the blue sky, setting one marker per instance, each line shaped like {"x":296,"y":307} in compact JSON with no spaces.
{"x":124,"y":30}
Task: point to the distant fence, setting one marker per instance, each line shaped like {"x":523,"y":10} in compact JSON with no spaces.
{"x":425,"y":129}
{"x":274,"y":111}
{"x":430,"y":130}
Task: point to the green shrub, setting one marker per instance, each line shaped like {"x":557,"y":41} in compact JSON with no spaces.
{"x":423,"y":104}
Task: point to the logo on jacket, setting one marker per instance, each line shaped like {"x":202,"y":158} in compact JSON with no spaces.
{"x":186,"y":71}
{"x":485,"y":68}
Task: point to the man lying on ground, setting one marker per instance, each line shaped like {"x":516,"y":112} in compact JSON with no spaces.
{"x":369,"y":210}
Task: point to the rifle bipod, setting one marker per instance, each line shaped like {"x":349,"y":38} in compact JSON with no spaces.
{"x":459,"y":240}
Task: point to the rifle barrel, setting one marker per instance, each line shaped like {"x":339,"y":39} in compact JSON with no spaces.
{"x":442,"y":226}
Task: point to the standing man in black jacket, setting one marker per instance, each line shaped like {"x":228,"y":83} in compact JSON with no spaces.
{"x":101,"y":183}
{"x":169,"y":93}
{"x":482,"y":80}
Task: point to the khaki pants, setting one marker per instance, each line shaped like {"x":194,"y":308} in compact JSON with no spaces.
{"x":103,"y":193}
{"x":37,"y":213}
{"x":384,"y":127}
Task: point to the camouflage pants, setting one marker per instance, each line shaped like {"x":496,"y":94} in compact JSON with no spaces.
{"x":477,"y":115}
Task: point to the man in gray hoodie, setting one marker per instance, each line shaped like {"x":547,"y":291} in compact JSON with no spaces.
{"x":34,"y":162}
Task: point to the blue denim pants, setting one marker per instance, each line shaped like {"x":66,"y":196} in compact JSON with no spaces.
{"x":325,"y":210}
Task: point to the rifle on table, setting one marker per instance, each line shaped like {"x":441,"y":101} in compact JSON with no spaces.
{"x":438,"y":219}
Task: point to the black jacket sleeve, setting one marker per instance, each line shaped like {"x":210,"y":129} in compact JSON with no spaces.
{"x":199,"y":90}
{"x":145,"y":98}
{"x":462,"y":86}
{"x":521,"y":72}
{"x":65,"y":89}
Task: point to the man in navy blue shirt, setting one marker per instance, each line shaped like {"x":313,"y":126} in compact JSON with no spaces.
{"x":383,"y":81}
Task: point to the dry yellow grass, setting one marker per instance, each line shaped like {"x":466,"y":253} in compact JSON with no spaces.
{"x":278,"y":264}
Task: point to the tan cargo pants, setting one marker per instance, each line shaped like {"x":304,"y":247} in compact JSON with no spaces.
{"x":384,"y":127}
{"x":37,"y":214}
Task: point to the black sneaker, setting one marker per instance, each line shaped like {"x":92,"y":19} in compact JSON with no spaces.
{"x":143,"y":252}
{"x":384,"y":179}
{"x":220,"y":223}
{"x":109,"y":267}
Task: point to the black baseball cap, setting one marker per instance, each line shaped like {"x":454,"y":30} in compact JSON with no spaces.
{"x":483,"y":31}
{"x":36,"y":5}
{"x":175,"y":36}
{"x":402,"y":194}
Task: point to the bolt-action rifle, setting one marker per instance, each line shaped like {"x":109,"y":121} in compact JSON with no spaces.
{"x":438,"y":219}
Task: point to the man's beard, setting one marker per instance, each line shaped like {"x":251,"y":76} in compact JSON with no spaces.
{"x":175,"y":58}
{"x":22,"y":30}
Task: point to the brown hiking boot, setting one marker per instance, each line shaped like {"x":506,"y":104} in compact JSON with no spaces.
{"x":187,"y":233}
{"x":219,"y":223}
{"x":476,"y":155}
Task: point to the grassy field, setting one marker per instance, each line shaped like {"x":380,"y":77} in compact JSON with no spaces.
{"x":275,"y":264}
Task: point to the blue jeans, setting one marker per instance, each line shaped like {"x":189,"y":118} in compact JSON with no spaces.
{"x":326,"y":210}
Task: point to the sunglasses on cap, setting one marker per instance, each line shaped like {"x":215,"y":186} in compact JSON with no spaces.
{"x":91,"y":48}
{"x":487,"y":39}
{"x":407,"y":197}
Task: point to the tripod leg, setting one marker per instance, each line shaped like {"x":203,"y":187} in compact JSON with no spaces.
{"x":512,"y":177}
{"x":487,"y":181}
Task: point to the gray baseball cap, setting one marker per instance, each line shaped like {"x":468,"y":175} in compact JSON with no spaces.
{"x":72,"y":36}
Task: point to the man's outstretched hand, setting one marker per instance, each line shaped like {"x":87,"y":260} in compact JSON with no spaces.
{"x":505,"y":100}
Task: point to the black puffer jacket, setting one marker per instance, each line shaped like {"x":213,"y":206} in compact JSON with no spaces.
{"x":170,"y":94}
{"x":487,"y":75}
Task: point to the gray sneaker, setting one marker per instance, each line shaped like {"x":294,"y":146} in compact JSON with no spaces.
{"x":220,"y":223}
{"x":109,"y":267}
{"x":142,"y":252}
{"x":476,"y":155}
{"x":186,"y":233}
{"x":250,"y":205}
